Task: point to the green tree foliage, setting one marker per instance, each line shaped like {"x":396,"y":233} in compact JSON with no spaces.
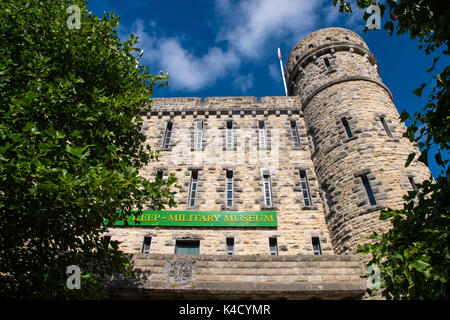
{"x":70,"y":147}
{"x":413,"y":256}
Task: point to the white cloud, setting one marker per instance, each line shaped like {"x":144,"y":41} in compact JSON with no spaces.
{"x":247,"y":30}
{"x":191,"y":72}
{"x":187,"y":71}
{"x":251,"y":24}
{"x":275,"y":71}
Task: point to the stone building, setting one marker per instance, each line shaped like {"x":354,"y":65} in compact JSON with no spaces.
{"x":277,"y":192}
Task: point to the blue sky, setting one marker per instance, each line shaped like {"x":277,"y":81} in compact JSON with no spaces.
{"x":229,"y":48}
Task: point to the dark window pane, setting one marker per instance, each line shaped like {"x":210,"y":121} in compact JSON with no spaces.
{"x":187,"y":247}
{"x":273,"y":246}
{"x":368,"y":190}
{"x":347,"y":127}
{"x":316,"y":246}
{"x":386,"y":127}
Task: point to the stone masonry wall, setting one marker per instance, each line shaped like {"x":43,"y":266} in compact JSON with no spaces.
{"x":243,"y":277}
{"x":297,"y":223}
{"x":353,"y":90}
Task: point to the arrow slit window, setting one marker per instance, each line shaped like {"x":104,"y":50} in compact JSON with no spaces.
{"x":386,"y":127}
{"x":368,"y":190}
{"x":347,"y":127}
{"x":327,"y":64}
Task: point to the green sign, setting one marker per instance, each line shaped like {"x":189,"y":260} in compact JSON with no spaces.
{"x":203,"y":219}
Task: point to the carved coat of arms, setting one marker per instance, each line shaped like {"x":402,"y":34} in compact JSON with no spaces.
{"x":179,"y":272}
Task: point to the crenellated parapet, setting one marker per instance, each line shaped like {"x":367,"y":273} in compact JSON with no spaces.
{"x":327,"y":57}
{"x":225,"y":106}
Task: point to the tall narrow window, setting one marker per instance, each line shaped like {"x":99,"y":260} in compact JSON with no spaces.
{"x":229,"y":135}
{"x":327,"y":64}
{"x":295,"y":134}
{"x":187,"y":247}
{"x":305,"y":188}
{"x":316,"y":246}
{"x":193,"y":190}
{"x":229,"y":188}
{"x":273,"y":246}
{"x":146,"y":244}
{"x":413,"y":183}
{"x":368,"y":190}
{"x":198,"y":134}
{"x":160,"y":174}
{"x":230,"y":246}
{"x":385,"y":126}
{"x":167,"y":135}
{"x":347,"y":127}
{"x":262,"y":135}
{"x":267,"y":191}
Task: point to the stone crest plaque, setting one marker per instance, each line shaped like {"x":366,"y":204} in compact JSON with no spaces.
{"x":179,"y":272}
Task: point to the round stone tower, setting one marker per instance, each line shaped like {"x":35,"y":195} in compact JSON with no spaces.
{"x":355,"y":133}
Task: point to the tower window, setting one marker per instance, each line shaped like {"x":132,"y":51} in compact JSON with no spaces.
{"x":305,"y":188}
{"x":187,"y":247}
{"x":386,"y":127}
{"x":198,"y":134}
{"x":193,"y":189}
{"x":160,"y":174}
{"x":347,"y":127}
{"x":327,"y":64}
{"x":295,"y":134}
{"x":229,"y":188}
{"x":273,"y":246}
{"x":262,"y":135}
{"x":316,"y":246}
{"x":229,"y":135}
{"x":413,"y":183}
{"x":368,"y":190}
{"x":230,"y":246}
{"x":167,"y":135}
{"x":146,"y":245}
{"x":267,"y":190}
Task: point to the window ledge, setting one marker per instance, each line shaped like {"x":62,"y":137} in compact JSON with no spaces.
{"x":392,"y":139}
{"x":350,"y":139}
